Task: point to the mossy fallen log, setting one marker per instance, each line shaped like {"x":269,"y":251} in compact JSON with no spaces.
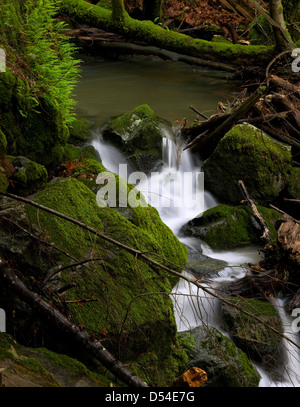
{"x":146,"y":31}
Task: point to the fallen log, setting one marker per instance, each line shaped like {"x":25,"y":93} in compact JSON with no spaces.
{"x":282,"y":83}
{"x":137,"y":49}
{"x":288,"y":237}
{"x":91,"y":345}
{"x":208,"y":142}
{"x":95,"y":16}
{"x":288,"y":104}
{"x":211,"y":123}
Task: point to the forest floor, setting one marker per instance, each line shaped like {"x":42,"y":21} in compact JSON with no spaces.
{"x":196,"y":13}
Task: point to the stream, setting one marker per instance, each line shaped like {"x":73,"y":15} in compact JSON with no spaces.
{"x":111,"y":88}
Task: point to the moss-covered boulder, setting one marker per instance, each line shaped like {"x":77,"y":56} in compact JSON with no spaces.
{"x":28,"y":175}
{"x":40,"y":367}
{"x":3,"y":143}
{"x":255,"y":338}
{"x":32,"y":129}
{"x":139,"y":135}
{"x":200,"y":264}
{"x":79,"y":132}
{"x":246,"y":153}
{"x":131,"y":315}
{"x":73,"y":153}
{"x":225,"y":227}
{"x":293,"y":184}
{"x":225,"y":364}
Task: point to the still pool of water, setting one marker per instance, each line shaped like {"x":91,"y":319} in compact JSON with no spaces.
{"x":110,"y":88}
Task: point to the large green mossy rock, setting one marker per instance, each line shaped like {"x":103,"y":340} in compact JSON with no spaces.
{"x":254,"y":337}
{"x":40,"y":367}
{"x":225,"y":364}
{"x":246,"y":153}
{"x":73,"y":152}
{"x":293,"y":185}
{"x":139,"y":135}
{"x":79,"y":132}
{"x":225,"y":227}
{"x":28,"y":175}
{"x":32,"y":129}
{"x":131,"y":314}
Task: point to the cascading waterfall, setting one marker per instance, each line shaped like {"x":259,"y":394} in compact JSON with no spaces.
{"x":163,"y":190}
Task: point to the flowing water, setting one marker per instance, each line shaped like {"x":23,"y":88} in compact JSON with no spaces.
{"x":112,"y":88}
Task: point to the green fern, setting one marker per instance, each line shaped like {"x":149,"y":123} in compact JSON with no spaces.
{"x":37,"y":50}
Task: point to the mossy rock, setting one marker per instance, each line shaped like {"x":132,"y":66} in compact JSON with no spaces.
{"x":246,"y":153}
{"x":139,"y":135}
{"x":225,"y":227}
{"x":225,"y":364}
{"x":293,"y":184}
{"x":79,"y":132}
{"x":32,"y":129}
{"x":3,"y":143}
{"x":40,"y":367}
{"x":255,"y":338}
{"x":73,"y":153}
{"x":131,"y":307}
{"x":28,"y":176}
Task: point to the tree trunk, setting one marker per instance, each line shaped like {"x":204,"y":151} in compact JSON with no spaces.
{"x":291,"y":10}
{"x":152,"y":10}
{"x":276,"y":12}
{"x":118,"y":11}
{"x":146,"y":31}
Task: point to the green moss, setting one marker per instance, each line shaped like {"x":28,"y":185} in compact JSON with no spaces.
{"x":139,"y":135}
{"x":105,"y":4}
{"x":137,"y":129}
{"x":225,"y":364}
{"x":28,"y":176}
{"x":246,"y":153}
{"x":79,"y":131}
{"x":128,"y":294}
{"x":35,"y":130}
{"x":3,"y":143}
{"x":291,"y":10}
{"x":293,"y":184}
{"x":71,"y":153}
{"x":255,"y":338}
{"x":3,"y":182}
{"x":74,"y":153}
{"x":173,"y":41}
{"x":261,"y":32}
{"x":46,"y":368}
{"x":225,"y":227}
{"x":34,"y":366}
